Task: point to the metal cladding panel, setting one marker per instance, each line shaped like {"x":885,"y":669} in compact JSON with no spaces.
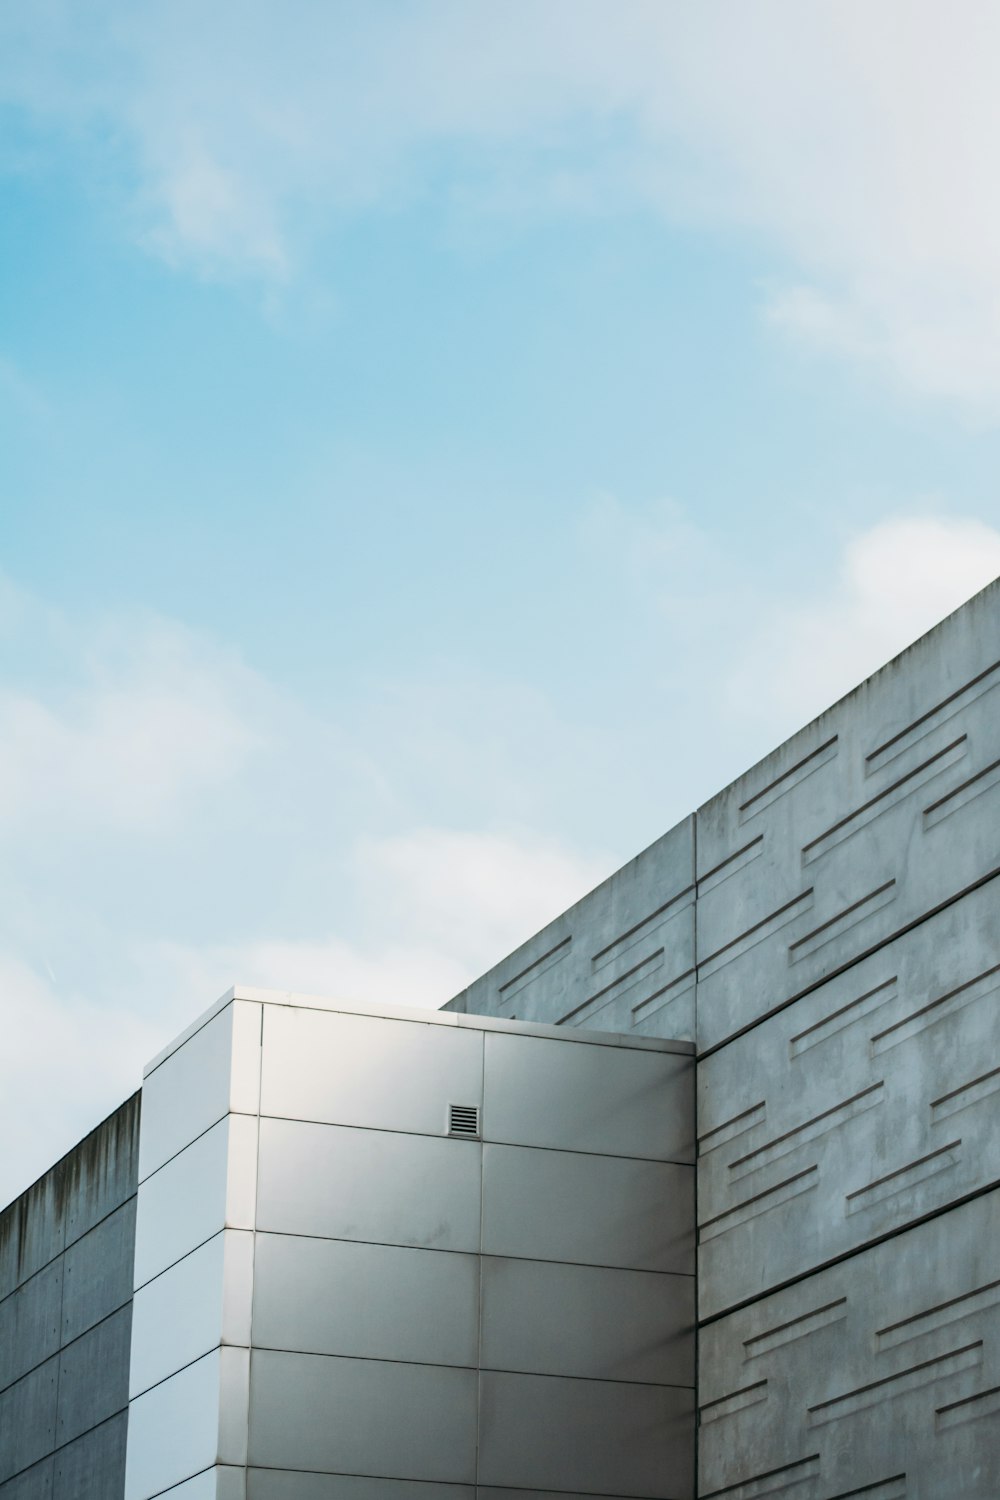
{"x":885,"y":1367}
{"x":215,"y":1070}
{"x":376,"y":1301}
{"x":186,"y":1094}
{"x":613,"y":961}
{"x":210,"y":1185}
{"x":491,"y":1492}
{"x":619,"y":1101}
{"x":344,"y":1069}
{"x":28,"y":1418}
{"x":186,"y":1424}
{"x":882,"y":809}
{"x":34,"y":1484}
{"x":542,"y":1432}
{"x":223,"y":1482}
{"x":29,"y":1323}
{"x":363,"y":1417}
{"x":865,"y":1106}
{"x":93,"y":1376}
{"x":97,"y":1279}
{"x":377,"y":1186}
{"x":586,"y":1321}
{"x":92,"y":1467}
{"x":284,"y":1484}
{"x":200,"y":1302}
{"x":202,"y":1487}
{"x":591,"y":1210}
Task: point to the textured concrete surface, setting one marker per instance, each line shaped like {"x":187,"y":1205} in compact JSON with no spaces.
{"x":622,"y":959}
{"x":882,"y":1370}
{"x":66,"y":1275}
{"x":827,"y":929}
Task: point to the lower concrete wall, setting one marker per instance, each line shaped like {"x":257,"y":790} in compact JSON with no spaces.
{"x":65,"y":1321}
{"x":878,"y":1377}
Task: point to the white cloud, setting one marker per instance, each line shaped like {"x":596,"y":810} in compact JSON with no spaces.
{"x":135,"y":718}
{"x":172,"y":825}
{"x":744,"y":659}
{"x":862,"y":141}
{"x":895,"y":581}
{"x":440,"y":907}
{"x":473,"y":894}
{"x":66,"y":1062}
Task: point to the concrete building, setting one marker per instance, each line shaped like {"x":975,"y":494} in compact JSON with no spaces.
{"x":344,"y":1254}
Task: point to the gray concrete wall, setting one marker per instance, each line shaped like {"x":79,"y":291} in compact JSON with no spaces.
{"x":827,"y":929}
{"x":65,"y":1314}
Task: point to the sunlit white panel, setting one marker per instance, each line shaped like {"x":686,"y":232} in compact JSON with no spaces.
{"x":362,"y":1070}
{"x":217,"y":1483}
{"x":187,"y":1424}
{"x":208,"y":1186}
{"x":621,"y":1101}
{"x":186,"y":1094}
{"x":342,"y":1183}
{"x":377,"y":1301}
{"x":201,"y":1302}
{"x":173,"y":1430}
{"x":363,"y":1416}
{"x":182,"y":1205}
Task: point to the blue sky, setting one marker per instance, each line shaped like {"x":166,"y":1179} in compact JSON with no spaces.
{"x":440,"y":444}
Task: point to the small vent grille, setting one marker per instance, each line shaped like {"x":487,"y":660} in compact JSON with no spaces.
{"x":463,"y":1119}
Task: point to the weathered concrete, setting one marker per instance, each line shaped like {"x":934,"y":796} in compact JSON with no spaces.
{"x":65,"y":1317}
{"x":856,"y":1111}
{"x":836,"y":956}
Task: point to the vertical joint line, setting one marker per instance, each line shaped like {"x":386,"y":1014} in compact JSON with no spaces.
{"x":253,"y":1232}
{"x":697,"y":1324}
{"x":482,"y":1175}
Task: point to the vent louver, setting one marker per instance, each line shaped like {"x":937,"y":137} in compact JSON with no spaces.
{"x":463,"y":1119}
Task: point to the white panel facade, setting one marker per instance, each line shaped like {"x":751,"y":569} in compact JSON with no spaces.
{"x":338,"y":1296}
{"x":540,"y":1092}
{"x":378,"y":1186}
{"x":214,"y":1072}
{"x":188,"y":1423}
{"x":196,"y":1212}
{"x":368,"y":1071}
{"x":386,"y":1301}
{"x":590,"y":1210}
{"x":589,"y":1322}
{"x":199,"y":1303}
